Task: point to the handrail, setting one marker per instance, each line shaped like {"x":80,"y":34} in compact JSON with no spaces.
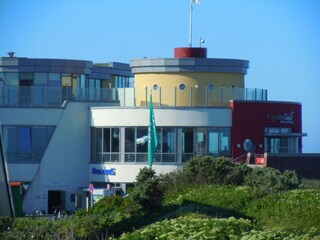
{"x":46,"y":96}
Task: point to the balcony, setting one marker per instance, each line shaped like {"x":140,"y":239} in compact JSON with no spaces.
{"x":46,"y":97}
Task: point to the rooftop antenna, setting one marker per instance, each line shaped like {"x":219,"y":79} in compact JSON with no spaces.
{"x":190,"y":26}
{"x":201,"y":41}
{"x":11,"y":54}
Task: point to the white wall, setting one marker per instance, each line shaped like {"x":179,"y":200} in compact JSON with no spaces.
{"x":220,"y":117}
{"x":126,"y":173}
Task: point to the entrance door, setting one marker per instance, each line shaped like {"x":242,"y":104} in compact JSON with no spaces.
{"x":56,"y":199}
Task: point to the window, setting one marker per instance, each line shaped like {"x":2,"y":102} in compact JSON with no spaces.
{"x":26,"y":144}
{"x":182,"y":86}
{"x":201,"y":140}
{"x":54,"y":79}
{"x":155,"y":87}
{"x":210,"y":87}
{"x":66,"y":80}
{"x":225,"y":141}
{"x":11,"y":79}
{"x":24,"y":139}
{"x":186,"y":143}
{"x":169,"y":144}
{"x":40,"y":79}
{"x":26,"y":79}
{"x":96,"y":144}
{"x":111,"y":144}
{"x":213,"y":144}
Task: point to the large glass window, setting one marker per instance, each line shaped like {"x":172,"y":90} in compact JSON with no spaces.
{"x":26,"y":144}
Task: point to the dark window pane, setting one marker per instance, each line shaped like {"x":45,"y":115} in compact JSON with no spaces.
{"x":24,"y":140}
{"x":115,"y":140}
{"x":187,"y":140}
{"x":106,"y":140}
{"x":142,"y":139}
{"x":130,"y":139}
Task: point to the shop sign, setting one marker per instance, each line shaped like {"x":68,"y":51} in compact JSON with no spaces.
{"x":111,"y":171}
{"x":282,"y":118}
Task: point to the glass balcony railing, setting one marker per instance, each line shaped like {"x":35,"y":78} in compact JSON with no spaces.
{"x":36,"y":96}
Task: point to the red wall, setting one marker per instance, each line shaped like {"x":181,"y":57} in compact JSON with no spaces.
{"x":250,"y":118}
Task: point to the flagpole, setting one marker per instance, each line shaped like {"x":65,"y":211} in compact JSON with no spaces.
{"x":190,"y":25}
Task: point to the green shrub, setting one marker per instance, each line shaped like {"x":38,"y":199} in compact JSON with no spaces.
{"x":146,"y":192}
{"x":210,"y":170}
{"x":108,"y":205}
{"x":269,"y":180}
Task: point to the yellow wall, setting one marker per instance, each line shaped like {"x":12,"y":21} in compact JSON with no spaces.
{"x":169,"y":81}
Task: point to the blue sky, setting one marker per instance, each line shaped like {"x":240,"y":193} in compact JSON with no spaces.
{"x":280,"y":38}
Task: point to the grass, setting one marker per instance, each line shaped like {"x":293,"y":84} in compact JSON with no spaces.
{"x":228,"y":212}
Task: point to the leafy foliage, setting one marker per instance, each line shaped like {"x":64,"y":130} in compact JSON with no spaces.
{"x":210,"y":170}
{"x":208,"y":198}
{"x":146,"y":192}
{"x":269,"y":180}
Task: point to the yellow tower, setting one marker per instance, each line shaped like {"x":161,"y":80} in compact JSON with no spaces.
{"x":189,"y":79}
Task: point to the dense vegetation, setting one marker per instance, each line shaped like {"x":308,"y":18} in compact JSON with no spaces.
{"x":208,"y":199}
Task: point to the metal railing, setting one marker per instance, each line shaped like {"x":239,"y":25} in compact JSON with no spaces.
{"x":43,"y":96}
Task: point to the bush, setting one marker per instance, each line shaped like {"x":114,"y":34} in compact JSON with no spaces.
{"x":269,"y":180}
{"x":210,"y":170}
{"x":108,"y":205}
{"x":146,"y":192}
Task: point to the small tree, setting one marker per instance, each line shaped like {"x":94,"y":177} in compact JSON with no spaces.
{"x":146,"y":192}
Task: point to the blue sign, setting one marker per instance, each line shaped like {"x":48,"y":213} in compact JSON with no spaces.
{"x":111,"y":171}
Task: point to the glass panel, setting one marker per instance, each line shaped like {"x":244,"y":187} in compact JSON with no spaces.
{"x":169,"y":140}
{"x":39,"y":96}
{"x":129,"y":139}
{"x":142,"y":139}
{"x":201,"y":139}
{"x":106,"y":140}
{"x":213,"y":145}
{"x":66,"y":80}
{"x":10,"y":138}
{"x":11,"y":79}
{"x":187,"y":140}
{"x":225,"y":141}
{"x":1,"y":79}
{"x":40,"y":79}
{"x":24,"y":140}
{"x":39,"y":143}
{"x":26,"y":76}
{"x":96,"y":144}
{"x":115,"y":140}
{"x":55,"y":79}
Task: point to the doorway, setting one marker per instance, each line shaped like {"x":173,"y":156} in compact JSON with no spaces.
{"x":56,"y":200}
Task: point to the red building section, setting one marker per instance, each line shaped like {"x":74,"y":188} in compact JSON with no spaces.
{"x":259,"y":127}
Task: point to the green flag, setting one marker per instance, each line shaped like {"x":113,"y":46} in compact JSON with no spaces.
{"x":152,"y":135}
